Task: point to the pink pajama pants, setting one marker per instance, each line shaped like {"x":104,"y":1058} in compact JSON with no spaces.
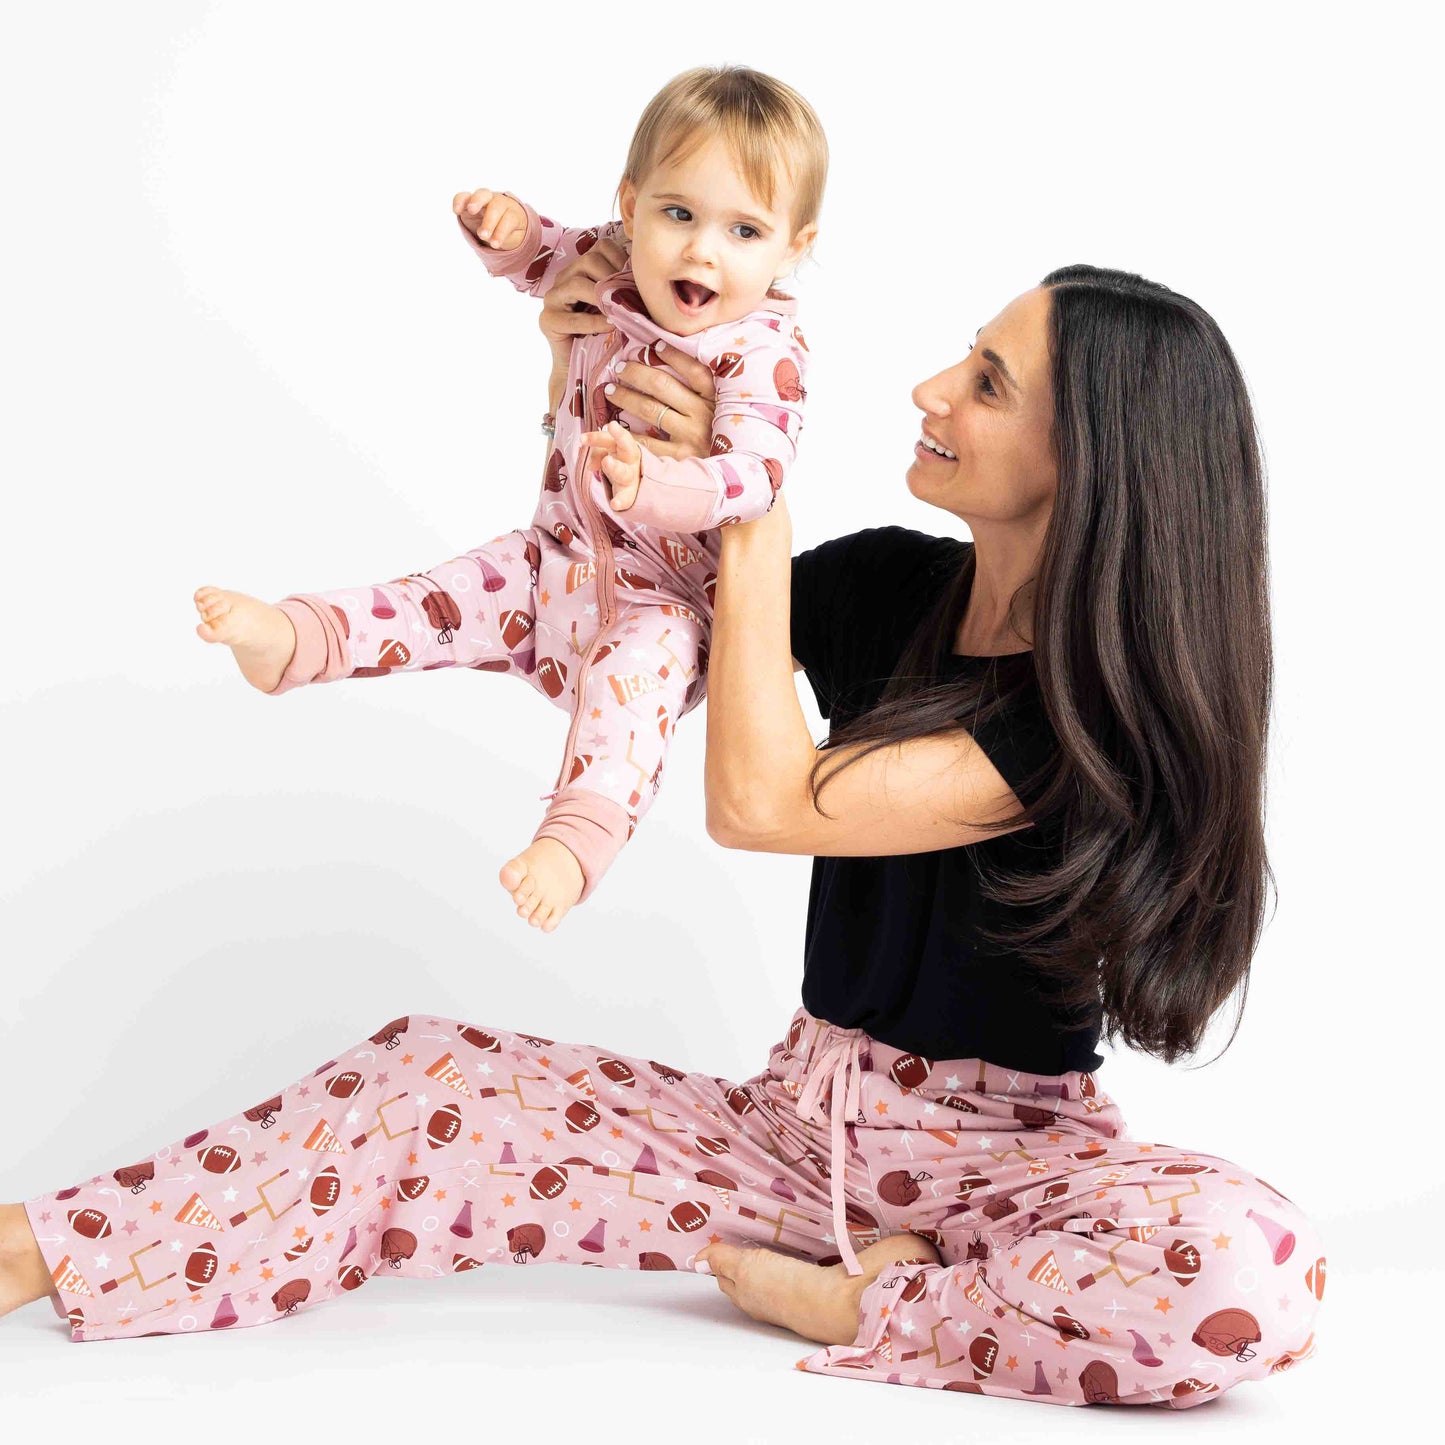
{"x":1079,"y":1266}
{"x":526,"y":603}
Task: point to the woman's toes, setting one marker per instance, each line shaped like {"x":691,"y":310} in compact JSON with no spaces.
{"x":720,"y":1260}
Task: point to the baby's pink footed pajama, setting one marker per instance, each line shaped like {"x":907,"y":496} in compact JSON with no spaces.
{"x":608,"y":614}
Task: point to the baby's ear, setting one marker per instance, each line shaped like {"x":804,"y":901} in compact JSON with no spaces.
{"x":801,"y":245}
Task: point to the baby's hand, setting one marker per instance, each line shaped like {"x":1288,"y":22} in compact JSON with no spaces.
{"x":492,"y":217}
{"x":621,"y":463}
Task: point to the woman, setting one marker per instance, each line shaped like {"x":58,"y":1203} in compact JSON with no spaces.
{"x":1037,"y":819}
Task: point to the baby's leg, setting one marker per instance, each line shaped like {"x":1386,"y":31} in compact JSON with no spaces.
{"x":634,"y":692}
{"x":474,"y":610}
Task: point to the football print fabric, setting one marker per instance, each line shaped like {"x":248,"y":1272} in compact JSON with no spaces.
{"x":1079,"y":1266}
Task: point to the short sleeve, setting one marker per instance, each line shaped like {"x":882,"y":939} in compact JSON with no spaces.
{"x":856,"y":601}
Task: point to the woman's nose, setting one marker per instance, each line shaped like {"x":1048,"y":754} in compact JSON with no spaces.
{"x":928,"y":397}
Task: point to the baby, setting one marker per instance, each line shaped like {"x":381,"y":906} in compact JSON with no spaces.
{"x":604,"y":603}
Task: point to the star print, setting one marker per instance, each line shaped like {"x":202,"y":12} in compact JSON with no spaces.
{"x":304,"y":1091}
{"x":229,"y":1195}
{"x":1166,"y":1340}
{"x":382,"y":1079}
{"x":259,"y":1157}
{"x":1220,"y":1241}
{"x":252,"y":1298}
{"x":489,"y":1223}
{"x":130,"y":1226}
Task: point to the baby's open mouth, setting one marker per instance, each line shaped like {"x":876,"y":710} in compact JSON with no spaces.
{"x":691,"y":296}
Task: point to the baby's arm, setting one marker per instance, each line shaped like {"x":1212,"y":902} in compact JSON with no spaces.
{"x":545,"y":249}
{"x":758,"y":376}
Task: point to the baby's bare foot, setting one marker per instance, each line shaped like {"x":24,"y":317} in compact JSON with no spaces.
{"x":261,"y":636}
{"x":818,"y":1302}
{"x":545,"y":880}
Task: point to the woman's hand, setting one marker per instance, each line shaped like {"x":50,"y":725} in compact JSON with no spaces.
{"x":644,"y":391}
{"x":570,"y":307}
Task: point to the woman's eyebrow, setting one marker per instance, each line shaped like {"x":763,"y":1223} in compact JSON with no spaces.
{"x":992,"y":356}
{"x":997,"y":360}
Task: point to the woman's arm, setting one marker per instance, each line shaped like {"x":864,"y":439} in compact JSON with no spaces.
{"x":899,"y":799}
{"x":759,"y":752}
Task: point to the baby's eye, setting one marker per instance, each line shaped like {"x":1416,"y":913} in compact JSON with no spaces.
{"x":667,"y":209}
{"x":756,"y":233}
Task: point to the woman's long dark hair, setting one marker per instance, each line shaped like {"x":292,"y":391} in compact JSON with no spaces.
{"x":1152,"y":655}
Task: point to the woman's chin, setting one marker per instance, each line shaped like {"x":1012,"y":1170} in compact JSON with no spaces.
{"x":920,"y":484}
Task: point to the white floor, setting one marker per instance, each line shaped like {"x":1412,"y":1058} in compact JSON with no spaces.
{"x":607,"y":1356}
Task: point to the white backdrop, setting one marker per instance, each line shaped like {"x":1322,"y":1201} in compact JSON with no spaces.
{"x":243,"y":344}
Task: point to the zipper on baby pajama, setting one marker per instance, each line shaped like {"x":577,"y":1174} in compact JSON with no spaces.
{"x":602,"y":547}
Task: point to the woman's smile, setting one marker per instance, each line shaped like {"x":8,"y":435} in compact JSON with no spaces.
{"x":929,"y":449}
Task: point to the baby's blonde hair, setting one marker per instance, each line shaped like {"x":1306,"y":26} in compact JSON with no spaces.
{"x":764,"y":123}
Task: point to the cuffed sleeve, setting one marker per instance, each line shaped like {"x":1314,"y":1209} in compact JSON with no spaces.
{"x":545,"y":250}
{"x":756,"y":423}
{"x":591,"y":827}
{"x":321,"y":653}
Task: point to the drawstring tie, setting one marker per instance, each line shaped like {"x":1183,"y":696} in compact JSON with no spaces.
{"x":841,"y":1053}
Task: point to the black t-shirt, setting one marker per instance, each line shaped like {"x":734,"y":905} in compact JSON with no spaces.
{"x":892,"y":943}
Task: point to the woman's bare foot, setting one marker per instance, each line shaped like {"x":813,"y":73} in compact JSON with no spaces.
{"x":819,"y":1302}
{"x":261,"y":636}
{"x":23,"y":1276}
{"x":545,"y":880}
